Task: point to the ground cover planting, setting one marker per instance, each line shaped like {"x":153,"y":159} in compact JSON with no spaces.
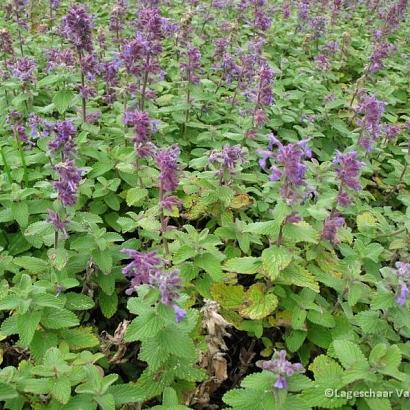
{"x":204,"y":204}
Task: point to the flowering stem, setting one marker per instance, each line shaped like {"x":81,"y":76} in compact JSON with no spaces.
{"x":55,"y":239}
{"x":22,"y":157}
{"x":6,"y":165}
{"x":83,"y":101}
{"x":163,"y":222}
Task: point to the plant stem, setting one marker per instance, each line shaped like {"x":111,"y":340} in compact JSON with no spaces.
{"x":22,"y":157}
{"x":6,"y":165}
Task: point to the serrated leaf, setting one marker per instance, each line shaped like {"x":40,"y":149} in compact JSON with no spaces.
{"x":79,"y":338}
{"x":348,"y":353}
{"x":211,"y":265}
{"x":108,"y":304}
{"x":247,"y":265}
{"x":258,"y":304}
{"x":135,"y":196}
{"x":20,"y":213}
{"x":275,"y":259}
{"x":31,"y":264}
{"x":300,"y":232}
{"x":27,"y":325}
{"x":58,"y":318}
{"x":78,"y":301}
{"x":63,"y":99}
{"x":61,"y":389}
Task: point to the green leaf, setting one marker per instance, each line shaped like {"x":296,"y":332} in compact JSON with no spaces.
{"x":258,"y":304}
{"x":106,"y":402}
{"x":348,"y":353}
{"x":300,"y":232}
{"x":247,"y":265}
{"x":58,"y":318}
{"x":211,"y":265}
{"x":31,"y":264}
{"x":322,"y":318}
{"x":78,"y":301}
{"x":61,"y":389}
{"x":79,"y":338}
{"x":20,"y":213}
{"x":63,"y":99}
{"x":144,"y":326}
{"x":275,"y":259}
{"x":27,"y":325}
{"x":7,"y":392}
{"x":136,"y":195}
{"x":108,"y":304}
{"x":126,"y":393}
{"x":103,"y":259}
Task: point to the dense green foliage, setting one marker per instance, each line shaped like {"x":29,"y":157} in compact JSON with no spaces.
{"x":261,"y":267}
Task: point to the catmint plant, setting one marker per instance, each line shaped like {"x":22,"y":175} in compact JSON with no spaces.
{"x":283,"y":368}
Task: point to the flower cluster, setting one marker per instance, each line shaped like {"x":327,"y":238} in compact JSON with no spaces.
{"x":68,"y":182}
{"x":76,"y":27}
{"x":331,"y":226}
{"x":290,"y":158}
{"x":372,"y":111}
{"x":347,"y":168}
{"x":149,"y":269}
{"x":142,"y":125}
{"x":167,"y":162}
{"x":403,"y":275}
{"x":117,"y":18}
{"x":191,"y":66}
{"x":60,"y":58}
{"x":23,"y":68}
{"x":6,"y":42}
{"x":64,"y":132}
{"x":227,"y":159}
{"x":279,"y":365}
{"x":59,"y":224}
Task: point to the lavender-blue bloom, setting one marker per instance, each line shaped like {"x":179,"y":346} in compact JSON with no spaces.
{"x":332,"y":224}
{"x":167,"y":161}
{"x":76,"y":27}
{"x":23,"y":68}
{"x":281,"y":367}
{"x":191,"y":65}
{"x":227,"y":158}
{"x":68,"y":182}
{"x":63,"y":141}
{"x":168,"y":283}
{"x":58,"y":223}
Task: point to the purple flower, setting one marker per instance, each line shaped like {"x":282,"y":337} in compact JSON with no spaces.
{"x":266,"y":76}
{"x":332,"y":224}
{"x":93,"y":117}
{"x":180,"y":314}
{"x":23,"y":68}
{"x":290,"y":158}
{"x":68,"y":182}
{"x":303,"y":10}
{"x":347,"y":168}
{"x":170,"y":202}
{"x":148,"y":269}
{"x":227,"y":158}
{"x":322,"y":62}
{"x":262,"y":20}
{"x":63,"y":141}
{"x":58,"y":223}
{"x":90,"y":66}
{"x":54,"y":4}
{"x":60,"y":58}
{"x":140,"y":268}
{"x":380,"y":52}
{"x":34,"y":121}
{"x":318,"y":24}
{"x":281,"y":367}
{"x":76,"y":27}
{"x":167,"y":161}
{"x":372,"y":110}
{"x":391,"y":131}
{"x":117,"y":18}
{"x":403,"y":275}
{"x":168,"y":283}
{"x":6,"y":42}
{"x":191,"y":65}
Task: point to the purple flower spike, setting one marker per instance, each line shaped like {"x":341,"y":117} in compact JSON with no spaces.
{"x":227,"y":158}
{"x":332,"y":224}
{"x":58,"y":223}
{"x":68,"y":183}
{"x":191,"y":66}
{"x":168,"y":283}
{"x":23,"y":69}
{"x":291,"y":160}
{"x":282,"y":367}
{"x":167,"y":161}
{"x":64,"y":139}
{"x":76,"y":27}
